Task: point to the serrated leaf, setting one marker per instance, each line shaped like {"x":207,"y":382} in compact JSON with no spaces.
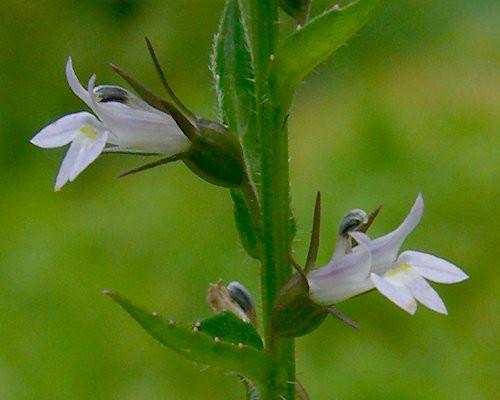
{"x":305,"y":49}
{"x":201,"y":347}
{"x":229,"y":328}
{"x":297,"y":9}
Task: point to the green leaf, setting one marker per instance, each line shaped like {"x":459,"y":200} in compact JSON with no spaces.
{"x":201,"y":347}
{"x":247,"y":229}
{"x":298,"y":9}
{"x":229,"y":328}
{"x":235,"y":84}
{"x":232,"y":69}
{"x":305,"y":49}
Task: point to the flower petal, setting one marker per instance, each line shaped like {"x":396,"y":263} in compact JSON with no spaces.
{"x":395,"y":291}
{"x":64,"y":130}
{"x":361,"y":237}
{"x":341,"y":279}
{"x":66,"y":167}
{"x":90,"y":150}
{"x":385,"y":248}
{"x":75,"y":84}
{"x":342,"y":247}
{"x":433,"y":268}
{"x":83,"y":151}
{"x":422,"y":291}
{"x":134,"y":128}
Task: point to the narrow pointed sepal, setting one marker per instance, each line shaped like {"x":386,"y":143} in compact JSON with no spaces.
{"x":343,"y":318}
{"x":312,"y":254}
{"x":151,"y":165}
{"x":165,"y":83}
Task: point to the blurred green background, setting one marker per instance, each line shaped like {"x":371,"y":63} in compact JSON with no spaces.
{"x":411,"y":104}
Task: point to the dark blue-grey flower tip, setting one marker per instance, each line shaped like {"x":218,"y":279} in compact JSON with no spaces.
{"x":241,"y":296}
{"x":109,"y":94}
{"x":352,"y":221}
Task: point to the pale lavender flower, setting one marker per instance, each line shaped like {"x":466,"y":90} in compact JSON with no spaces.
{"x":122,"y":121}
{"x":402,"y":279}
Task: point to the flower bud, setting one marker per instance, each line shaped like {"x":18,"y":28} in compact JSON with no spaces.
{"x":216,"y":155}
{"x":234,"y":298}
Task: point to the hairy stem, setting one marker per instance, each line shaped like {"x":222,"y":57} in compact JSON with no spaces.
{"x":274,"y":193}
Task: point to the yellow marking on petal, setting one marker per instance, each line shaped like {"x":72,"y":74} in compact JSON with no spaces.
{"x":89,"y":132}
{"x":397,"y":269}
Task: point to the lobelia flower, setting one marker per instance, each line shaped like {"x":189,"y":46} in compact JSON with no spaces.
{"x":376,"y":264}
{"x":295,"y":312}
{"x":122,"y":121}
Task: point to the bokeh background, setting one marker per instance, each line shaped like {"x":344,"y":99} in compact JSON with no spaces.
{"x":411,"y":104}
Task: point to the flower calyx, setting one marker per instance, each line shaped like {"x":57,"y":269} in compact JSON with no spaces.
{"x":294,"y":313}
{"x":216,"y":155}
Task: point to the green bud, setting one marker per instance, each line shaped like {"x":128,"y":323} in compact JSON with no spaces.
{"x":215,"y":155}
{"x":294,"y":313}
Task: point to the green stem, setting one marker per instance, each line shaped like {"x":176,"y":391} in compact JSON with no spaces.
{"x":274,"y":193}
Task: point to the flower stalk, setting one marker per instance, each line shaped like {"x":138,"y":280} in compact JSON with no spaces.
{"x":274,"y":190}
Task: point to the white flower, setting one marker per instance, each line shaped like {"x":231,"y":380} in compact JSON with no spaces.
{"x":402,"y":279}
{"x":124,"y":122}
